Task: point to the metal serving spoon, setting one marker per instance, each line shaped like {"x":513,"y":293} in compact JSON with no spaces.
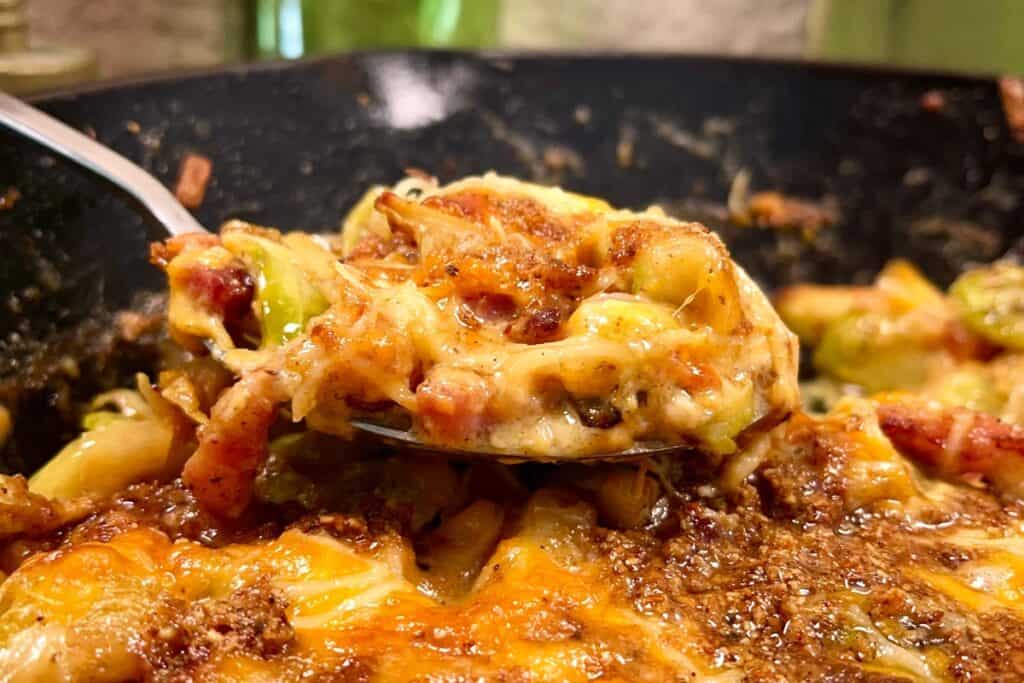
{"x":406,"y":440}
{"x":176,"y":219}
{"x":84,"y":151}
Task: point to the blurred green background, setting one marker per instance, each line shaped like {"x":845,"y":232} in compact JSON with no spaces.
{"x":961,"y":35}
{"x":958,"y":35}
{"x":82,"y":39}
{"x":293,"y":28}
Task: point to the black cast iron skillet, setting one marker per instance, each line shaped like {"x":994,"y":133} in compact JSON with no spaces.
{"x":293,"y":145}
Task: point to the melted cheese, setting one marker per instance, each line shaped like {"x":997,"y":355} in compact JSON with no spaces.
{"x":538,"y":606}
{"x":698,"y":360}
{"x":993,"y":581}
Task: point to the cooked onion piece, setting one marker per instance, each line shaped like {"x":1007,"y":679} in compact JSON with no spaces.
{"x":141,"y":439}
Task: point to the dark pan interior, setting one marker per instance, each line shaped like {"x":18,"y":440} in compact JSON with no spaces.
{"x":293,"y":146}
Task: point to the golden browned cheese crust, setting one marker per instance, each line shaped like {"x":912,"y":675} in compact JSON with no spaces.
{"x":832,"y":559}
{"x":223,"y":525}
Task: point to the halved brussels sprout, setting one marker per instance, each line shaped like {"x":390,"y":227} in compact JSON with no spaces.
{"x":970,"y":387}
{"x":808,"y":310}
{"x":454,"y":553}
{"x":105,"y":459}
{"x":286,"y":298}
{"x":876,"y":351}
{"x":624,"y":495}
{"x":689,"y":271}
{"x":991,"y":301}
{"x":906,"y":287}
{"x":620,"y":318}
{"x":128,"y":438}
{"x":732,"y":416}
{"x":675,"y":268}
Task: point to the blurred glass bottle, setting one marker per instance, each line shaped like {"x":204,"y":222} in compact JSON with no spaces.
{"x":29,"y":67}
{"x":295,"y":28}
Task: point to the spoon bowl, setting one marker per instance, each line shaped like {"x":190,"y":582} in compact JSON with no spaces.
{"x":406,"y":440}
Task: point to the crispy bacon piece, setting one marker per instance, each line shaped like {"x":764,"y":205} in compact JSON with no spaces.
{"x":192,"y":180}
{"x":957,"y":442}
{"x":626,"y":242}
{"x":933,"y":101}
{"x":693,"y":374}
{"x":234,"y":444}
{"x":452,"y":404}
{"x":777,"y":211}
{"x":540,"y":322}
{"x":226,"y":291}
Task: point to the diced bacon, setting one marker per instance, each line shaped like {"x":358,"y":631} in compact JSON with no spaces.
{"x":226,"y":291}
{"x":538,"y":323}
{"x":693,"y":374}
{"x":775,"y":210}
{"x":452,"y":405}
{"x":933,"y":101}
{"x":193,"y":179}
{"x":234,"y":444}
{"x":956,"y":442}
{"x":491,"y":308}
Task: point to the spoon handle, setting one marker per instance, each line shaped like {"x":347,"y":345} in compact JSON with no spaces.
{"x":83,"y":150}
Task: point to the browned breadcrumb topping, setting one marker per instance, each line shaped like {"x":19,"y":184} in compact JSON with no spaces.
{"x":250,"y":621}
